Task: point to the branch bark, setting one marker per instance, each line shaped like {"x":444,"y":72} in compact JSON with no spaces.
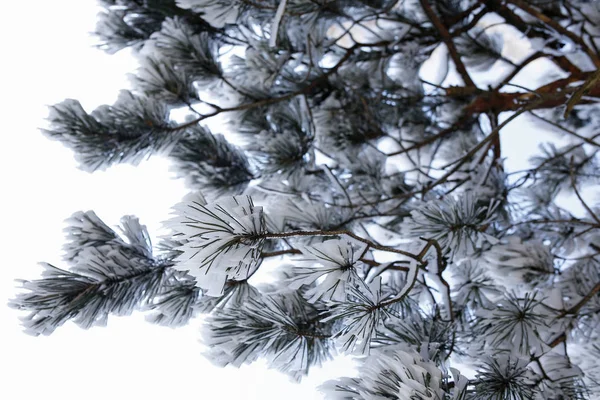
{"x":558,"y":28}
{"x":447,"y":39}
{"x":513,"y":19}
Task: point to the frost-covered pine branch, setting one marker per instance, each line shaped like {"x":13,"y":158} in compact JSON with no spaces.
{"x":108,"y":274}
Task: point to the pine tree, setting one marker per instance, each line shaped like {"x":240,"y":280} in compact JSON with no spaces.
{"x":358,"y":159}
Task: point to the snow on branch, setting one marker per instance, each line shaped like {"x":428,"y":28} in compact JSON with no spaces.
{"x":131,"y":129}
{"x":109,"y":274}
{"x":221,"y":240}
{"x":399,"y":373}
{"x":458,"y":224}
{"x":337,"y":261}
{"x":283,"y":328}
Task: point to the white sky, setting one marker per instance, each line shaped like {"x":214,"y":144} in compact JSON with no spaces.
{"x":47,"y":57}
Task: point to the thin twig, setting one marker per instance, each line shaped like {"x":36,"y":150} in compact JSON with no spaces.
{"x":558,"y":28}
{"x":581,"y":200}
{"x":575,"y":309}
{"x":273,"y":100}
{"x":339,"y":233}
{"x":447,"y":39}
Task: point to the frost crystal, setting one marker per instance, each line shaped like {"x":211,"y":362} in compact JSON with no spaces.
{"x":221,"y":240}
{"x":530,"y":262}
{"x":397,"y":373}
{"x":516,"y":323}
{"x":337,"y":262}
{"x":361,"y":317}
{"x":459,"y":225}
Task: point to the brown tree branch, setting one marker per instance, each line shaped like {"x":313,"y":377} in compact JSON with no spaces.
{"x":280,"y":253}
{"x":467,"y":27}
{"x":519,"y":68}
{"x":447,"y":39}
{"x":490,"y":138}
{"x":575,"y":309}
{"x":513,"y":19}
{"x":354,"y":236}
{"x":588,"y":85}
{"x":558,"y":28}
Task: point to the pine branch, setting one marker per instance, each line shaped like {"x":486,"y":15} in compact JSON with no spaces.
{"x":88,"y":299}
{"x":581,"y":200}
{"x":274,"y":100}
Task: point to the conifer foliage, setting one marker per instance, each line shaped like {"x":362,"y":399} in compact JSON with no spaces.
{"x":357,"y":158}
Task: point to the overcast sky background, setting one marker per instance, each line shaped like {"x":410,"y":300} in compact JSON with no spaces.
{"x":47,"y":57}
